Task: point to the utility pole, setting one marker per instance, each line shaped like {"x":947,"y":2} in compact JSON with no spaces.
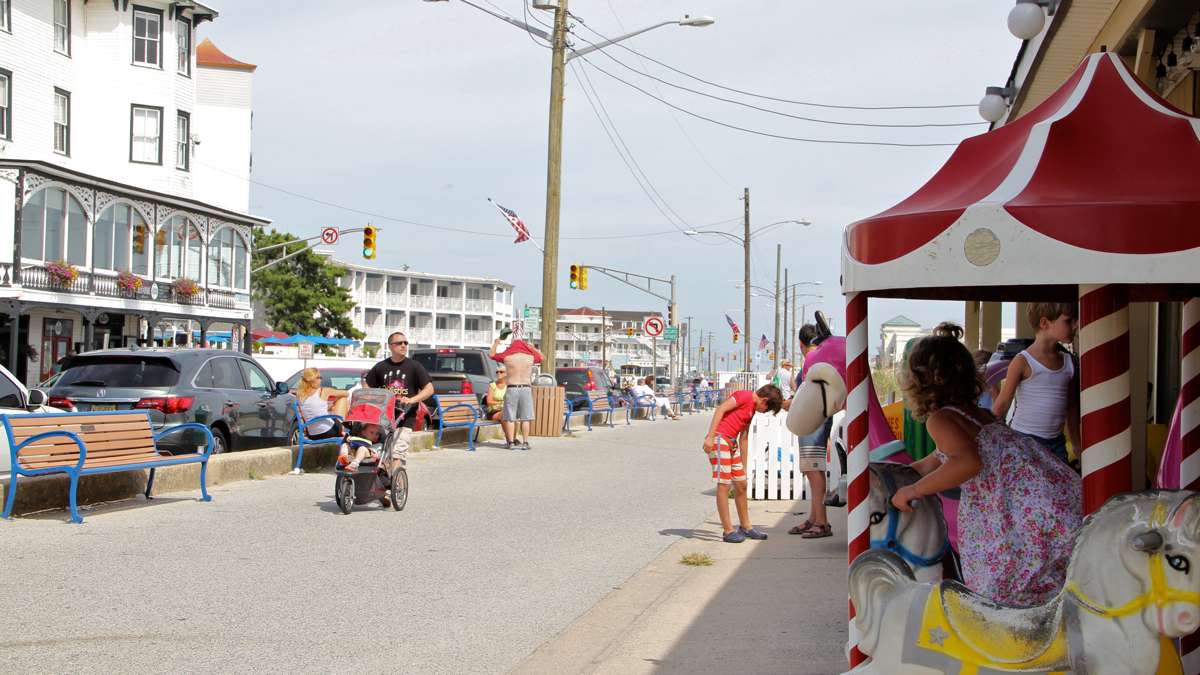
{"x":603,"y":340}
{"x":710,"y":353}
{"x":672,"y":347}
{"x":787,"y":343}
{"x":746,"y":296}
{"x":778,"y":267}
{"x":558,"y":45}
{"x":688,"y":360}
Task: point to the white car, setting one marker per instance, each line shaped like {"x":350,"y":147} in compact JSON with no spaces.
{"x":15,"y":398}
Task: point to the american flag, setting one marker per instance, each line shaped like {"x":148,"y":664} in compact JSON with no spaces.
{"x":732,"y":325}
{"x":511,"y":216}
{"x":762,"y":344}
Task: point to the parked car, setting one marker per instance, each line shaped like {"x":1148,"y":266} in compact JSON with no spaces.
{"x":578,"y":381}
{"x":15,"y":398}
{"x":332,"y":378}
{"x":227,"y":391}
{"x":458,"y":371}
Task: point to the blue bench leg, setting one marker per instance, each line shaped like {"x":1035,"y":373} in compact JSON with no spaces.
{"x":299,"y":455}
{"x":150,"y":483}
{"x":471,"y":437}
{"x":75,"y":517}
{"x":11,"y":498}
{"x":441,"y":428}
{"x":204,"y":496}
{"x":566,"y":423}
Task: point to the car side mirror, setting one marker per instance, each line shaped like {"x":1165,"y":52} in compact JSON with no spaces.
{"x":37,"y":399}
{"x":281,"y":388}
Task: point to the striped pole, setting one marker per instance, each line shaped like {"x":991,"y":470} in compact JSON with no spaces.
{"x":1189,"y":435}
{"x":858,"y":538}
{"x":1104,"y":395}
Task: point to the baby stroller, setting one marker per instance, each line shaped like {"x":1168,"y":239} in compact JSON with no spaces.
{"x":372,"y":480}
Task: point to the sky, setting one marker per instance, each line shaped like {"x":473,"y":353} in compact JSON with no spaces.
{"x":420,"y":111}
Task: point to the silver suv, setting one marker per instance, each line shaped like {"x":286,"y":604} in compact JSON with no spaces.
{"x":224,"y":390}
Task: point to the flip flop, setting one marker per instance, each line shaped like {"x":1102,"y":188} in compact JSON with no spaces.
{"x":802,"y":528}
{"x":819,"y":532}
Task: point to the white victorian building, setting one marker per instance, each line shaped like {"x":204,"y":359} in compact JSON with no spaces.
{"x":433,"y":310}
{"x":126,"y":150}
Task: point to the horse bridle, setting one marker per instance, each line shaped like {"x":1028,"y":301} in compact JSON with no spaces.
{"x":890,"y":540}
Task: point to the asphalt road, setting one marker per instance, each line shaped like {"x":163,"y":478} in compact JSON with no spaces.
{"x":497,"y":552}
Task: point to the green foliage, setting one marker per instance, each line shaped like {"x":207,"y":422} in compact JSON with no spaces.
{"x":370,"y":351}
{"x":696,"y":560}
{"x":301,"y":294}
{"x":886,"y":382}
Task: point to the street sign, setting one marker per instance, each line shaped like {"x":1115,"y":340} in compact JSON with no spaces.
{"x":329,"y":235}
{"x":653,"y":326}
{"x":671,"y":334}
{"x":306,"y":350}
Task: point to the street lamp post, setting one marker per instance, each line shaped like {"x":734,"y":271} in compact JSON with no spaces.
{"x":559,"y":55}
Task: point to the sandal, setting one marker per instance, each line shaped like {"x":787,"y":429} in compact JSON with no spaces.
{"x":818,"y":532}
{"x":802,"y":528}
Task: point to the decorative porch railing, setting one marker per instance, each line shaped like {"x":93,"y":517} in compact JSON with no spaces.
{"x":87,"y":283}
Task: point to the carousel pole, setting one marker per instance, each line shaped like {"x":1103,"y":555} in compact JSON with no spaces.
{"x":857,"y":371}
{"x":1189,"y":435}
{"x":1104,"y":393}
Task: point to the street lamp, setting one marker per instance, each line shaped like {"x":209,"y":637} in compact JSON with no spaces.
{"x":558,"y":58}
{"x":745,"y":242}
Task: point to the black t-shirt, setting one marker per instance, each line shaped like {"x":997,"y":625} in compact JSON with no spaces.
{"x":406,"y":378}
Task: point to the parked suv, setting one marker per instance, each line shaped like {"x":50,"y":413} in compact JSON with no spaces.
{"x":578,"y":381}
{"x":457,"y":371}
{"x":224,"y":390}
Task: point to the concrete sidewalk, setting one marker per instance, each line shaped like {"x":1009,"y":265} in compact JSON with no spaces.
{"x":777,"y":606}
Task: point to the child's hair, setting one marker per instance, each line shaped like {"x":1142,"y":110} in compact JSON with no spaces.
{"x":1050,"y":311}
{"x":941,"y":372}
{"x":808,"y":334}
{"x":773,"y":396}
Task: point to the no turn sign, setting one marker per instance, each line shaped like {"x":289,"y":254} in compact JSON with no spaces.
{"x":329,"y":235}
{"x":653,"y":326}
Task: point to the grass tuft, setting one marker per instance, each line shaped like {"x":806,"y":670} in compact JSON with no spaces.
{"x":696,"y":560}
{"x":254,"y":475}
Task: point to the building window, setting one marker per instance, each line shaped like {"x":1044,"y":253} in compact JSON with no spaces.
{"x":6,"y":15}
{"x":227,"y":260}
{"x":183,"y":46}
{"x":62,"y":26}
{"x":443,"y":291}
{"x":474,"y":294}
{"x":412,"y":321}
{"x":6,"y":105}
{"x":178,"y":250}
{"x":183,"y":135}
{"x":145,"y":135}
{"x":147,"y":37}
{"x":62,"y":122}
{"x":54,"y":228}
{"x":441,"y":323}
{"x":473,"y":324}
{"x":119,"y":240}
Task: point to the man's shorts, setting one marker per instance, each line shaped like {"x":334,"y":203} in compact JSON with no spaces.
{"x":518,"y":404}
{"x":730,"y":467}
{"x":814,"y":448}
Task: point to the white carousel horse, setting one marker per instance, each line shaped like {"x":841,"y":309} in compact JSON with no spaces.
{"x":1129,"y":592}
{"x":919,"y":536}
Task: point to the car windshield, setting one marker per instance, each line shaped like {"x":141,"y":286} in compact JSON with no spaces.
{"x":471,"y":364}
{"x":576,"y":378}
{"x":340,"y":380}
{"x":119,"y":371}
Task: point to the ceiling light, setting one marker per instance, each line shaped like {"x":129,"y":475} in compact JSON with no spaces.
{"x":994,"y":103}
{"x":1028,"y":18}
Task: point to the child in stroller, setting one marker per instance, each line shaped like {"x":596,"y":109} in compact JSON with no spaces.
{"x":372,"y":474}
{"x":364,"y":440}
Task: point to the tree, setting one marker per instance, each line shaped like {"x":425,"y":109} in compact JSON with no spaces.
{"x":301,"y":294}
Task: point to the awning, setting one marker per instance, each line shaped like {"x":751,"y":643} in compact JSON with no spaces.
{"x":314,"y":339}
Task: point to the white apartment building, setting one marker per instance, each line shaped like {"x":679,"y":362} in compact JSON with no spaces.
{"x":592,"y":337}
{"x":433,"y":310}
{"x":126,"y":149}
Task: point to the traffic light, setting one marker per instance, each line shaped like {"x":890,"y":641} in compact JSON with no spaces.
{"x":701,"y":349}
{"x":670,"y":315}
{"x":583,"y":277}
{"x":369,"y":242}
{"x":574,"y":276}
{"x":735,"y":337}
{"x":629,"y":332}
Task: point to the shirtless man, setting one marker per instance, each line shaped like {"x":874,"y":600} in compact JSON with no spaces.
{"x":518,"y":360}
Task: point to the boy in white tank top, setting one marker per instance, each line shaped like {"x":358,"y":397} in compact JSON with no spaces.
{"x":1043,"y":380}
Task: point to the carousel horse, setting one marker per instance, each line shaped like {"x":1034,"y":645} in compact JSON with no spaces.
{"x":1129,"y":593}
{"x":919,"y":537}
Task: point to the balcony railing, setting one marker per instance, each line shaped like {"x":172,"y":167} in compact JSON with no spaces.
{"x":449,"y":336}
{"x":479,"y":305}
{"x":397,"y":299}
{"x":420,"y":301}
{"x":477,"y":337}
{"x":423,"y":335}
{"x":105,"y":285}
{"x":375,"y":298}
{"x":451,"y":304}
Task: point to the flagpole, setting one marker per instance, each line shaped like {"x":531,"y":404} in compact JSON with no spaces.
{"x":531,"y":238}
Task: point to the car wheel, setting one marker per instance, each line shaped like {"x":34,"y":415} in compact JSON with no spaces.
{"x":220,"y":442}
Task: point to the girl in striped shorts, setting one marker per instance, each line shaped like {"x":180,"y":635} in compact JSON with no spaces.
{"x":723,"y":445}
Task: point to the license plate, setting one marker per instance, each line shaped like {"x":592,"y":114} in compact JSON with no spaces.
{"x":103,"y":407}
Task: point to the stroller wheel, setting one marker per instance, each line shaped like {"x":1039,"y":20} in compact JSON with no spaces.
{"x":399,"y":489}
{"x":345,"y":494}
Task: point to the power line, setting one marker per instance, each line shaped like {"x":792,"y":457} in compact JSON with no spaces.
{"x":775,"y":98}
{"x":765,"y":133}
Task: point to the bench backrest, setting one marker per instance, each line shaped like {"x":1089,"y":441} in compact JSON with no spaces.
{"x":447,"y":401}
{"x":111,"y":439}
{"x":600,"y":400}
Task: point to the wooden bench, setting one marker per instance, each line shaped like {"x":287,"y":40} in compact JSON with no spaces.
{"x":301,"y":438}
{"x":594,"y":403}
{"x":86,"y":444}
{"x":456,"y":411}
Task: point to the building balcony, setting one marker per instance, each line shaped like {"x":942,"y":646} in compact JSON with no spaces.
{"x":422,"y":335}
{"x":450,"y":304}
{"x":36,"y":277}
{"x":374,"y":298}
{"x":479,"y":305}
{"x":420,"y":301}
{"x":397,"y":299}
{"x":477,"y":337}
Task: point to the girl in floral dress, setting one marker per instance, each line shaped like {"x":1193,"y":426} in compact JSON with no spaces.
{"x":1020,"y":505}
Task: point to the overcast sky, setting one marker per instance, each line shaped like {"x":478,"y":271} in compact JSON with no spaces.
{"x":421,"y":111}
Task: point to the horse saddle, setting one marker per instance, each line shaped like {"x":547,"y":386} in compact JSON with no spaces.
{"x":964,"y":628}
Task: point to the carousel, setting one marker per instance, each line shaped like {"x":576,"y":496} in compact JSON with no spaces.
{"x":1093,"y":197}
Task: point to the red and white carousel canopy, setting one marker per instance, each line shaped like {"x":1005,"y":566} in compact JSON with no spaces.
{"x":1098,"y":184}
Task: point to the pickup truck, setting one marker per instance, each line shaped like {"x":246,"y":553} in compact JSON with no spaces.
{"x":457,"y":371}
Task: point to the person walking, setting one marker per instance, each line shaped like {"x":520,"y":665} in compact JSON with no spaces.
{"x":411,"y":384}
{"x":518,"y":359}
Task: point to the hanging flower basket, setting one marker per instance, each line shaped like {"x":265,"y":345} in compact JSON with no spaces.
{"x":128,"y":282}
{"x":62,"y":273}
{"x":185,"y":289}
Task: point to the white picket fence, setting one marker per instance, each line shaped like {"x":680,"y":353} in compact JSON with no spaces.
{"x":770,"y":458}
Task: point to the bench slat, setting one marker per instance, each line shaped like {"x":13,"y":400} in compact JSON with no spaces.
{"x":109,"y":460}
{"x":93,"y":437}
{"x":69,"y":420}
{"x":93,"y":450}
{"x":95,"y":431}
